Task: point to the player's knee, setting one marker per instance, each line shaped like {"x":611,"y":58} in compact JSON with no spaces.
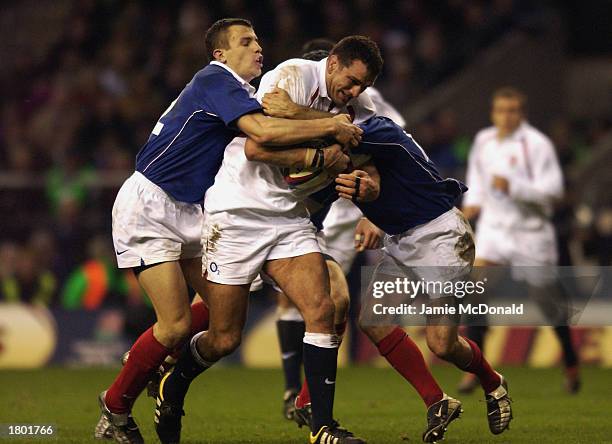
{"x":172,"y":334}
{"x":228,"y":342}
{"x":443,"y":349}
{"x":341,"y":303}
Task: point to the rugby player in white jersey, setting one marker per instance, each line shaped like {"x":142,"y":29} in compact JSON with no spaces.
{"x":336,"y":235}
{"x":157,"y":213}
{"x":255,"y":222}
{"x":514,"y":179}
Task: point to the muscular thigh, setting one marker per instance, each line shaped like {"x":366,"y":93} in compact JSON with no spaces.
{"x":304,"y":279}
{"x":227,"y":305}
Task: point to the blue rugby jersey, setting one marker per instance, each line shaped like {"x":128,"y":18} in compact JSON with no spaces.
{"x":185,"y":148}
{"x":411,"y":190}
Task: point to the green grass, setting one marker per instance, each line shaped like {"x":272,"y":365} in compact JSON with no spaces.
{"x":236,"y":405}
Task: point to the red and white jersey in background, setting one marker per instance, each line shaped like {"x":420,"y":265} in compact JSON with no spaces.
{"x":527,"y":159}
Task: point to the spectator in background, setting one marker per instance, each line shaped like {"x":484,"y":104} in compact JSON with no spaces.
{"x":28,"y":283}
{"x":97,"y":282}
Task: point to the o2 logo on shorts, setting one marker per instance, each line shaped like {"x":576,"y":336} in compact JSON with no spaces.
{"x":214,"y":268}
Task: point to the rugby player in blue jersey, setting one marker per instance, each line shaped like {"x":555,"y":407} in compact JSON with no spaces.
{"x":157,"y":215}
{"x":426,"y":235}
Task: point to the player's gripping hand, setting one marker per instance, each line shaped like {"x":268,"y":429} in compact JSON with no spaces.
{"x":367,"y":235}
{"x":357,"y":186}
{"x":345,"y":132}
{"x":335,"y":159}
{"x":278,"y":103}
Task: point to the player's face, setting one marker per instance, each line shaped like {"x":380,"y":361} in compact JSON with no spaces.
{"x":507,"y":114}
{"x":244,"y":54}
{"x":346,"y":82}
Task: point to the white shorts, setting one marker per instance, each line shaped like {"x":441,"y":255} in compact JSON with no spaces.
{"x":440,"y":250}
{"x":238,"y":243}
{"x":531,"y":254}
{"x":339,"y":233}
{"x":150,"y":227}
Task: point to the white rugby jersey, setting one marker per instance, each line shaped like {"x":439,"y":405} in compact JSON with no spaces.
{"x":242,"y":184}
{"x":528,"y":160}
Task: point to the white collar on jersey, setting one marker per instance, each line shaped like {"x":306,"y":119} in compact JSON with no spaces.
{"x":250,"y":88}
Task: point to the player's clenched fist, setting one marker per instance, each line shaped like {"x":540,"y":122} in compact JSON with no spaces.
{"x":277,"y":103}
{"x":367,"y":235}
{"x":357,"y":186}
{"x":345,"y":132}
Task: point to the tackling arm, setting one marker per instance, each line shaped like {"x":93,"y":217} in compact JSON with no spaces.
{"x":278,"y":103}
{"x":273,"y":131}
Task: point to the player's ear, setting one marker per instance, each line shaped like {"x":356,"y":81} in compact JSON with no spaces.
{"x":219,"y":55}
{"x":332,"y":63}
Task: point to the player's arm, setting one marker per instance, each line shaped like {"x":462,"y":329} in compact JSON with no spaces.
{"x":278,"y":103}
{"x":360,"y":185}
{"x":331,"y":157}
{"x":545,"y":184}
{"x":281,"y":132}
{"x":230,"y":102}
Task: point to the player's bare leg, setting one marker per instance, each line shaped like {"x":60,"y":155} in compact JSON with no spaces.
{"x":192,"y":270}
{"x":228,"y":308}
{"x":339,"y":293}
{"x":167,"y":289}
{"x":305,"y":281}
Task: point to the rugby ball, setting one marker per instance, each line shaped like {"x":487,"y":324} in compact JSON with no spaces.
{"x":312,"y":179}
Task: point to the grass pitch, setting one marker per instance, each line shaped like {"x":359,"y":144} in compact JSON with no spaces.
{"x":239,"y":406}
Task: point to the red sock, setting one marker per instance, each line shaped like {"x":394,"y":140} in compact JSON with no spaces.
{"x":145,"y":356}
{"x":406,"y":358}
{"x":304,"y":396}
{"x":479,"y":366}
{"x":199,"y":317}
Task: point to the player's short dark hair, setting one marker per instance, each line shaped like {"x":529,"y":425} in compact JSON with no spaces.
{"x":358,"y":47}
{"x":316,"y":55}
{"x":510,"y":92}
{"x":216,"y":35}
{"x":320,"y":44}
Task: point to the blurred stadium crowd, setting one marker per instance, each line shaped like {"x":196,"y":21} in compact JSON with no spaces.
{"x":88,"y":79}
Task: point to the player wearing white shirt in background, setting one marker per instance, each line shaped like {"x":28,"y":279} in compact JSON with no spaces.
{"x":514,"y":180}
{"x":254,"y":221}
